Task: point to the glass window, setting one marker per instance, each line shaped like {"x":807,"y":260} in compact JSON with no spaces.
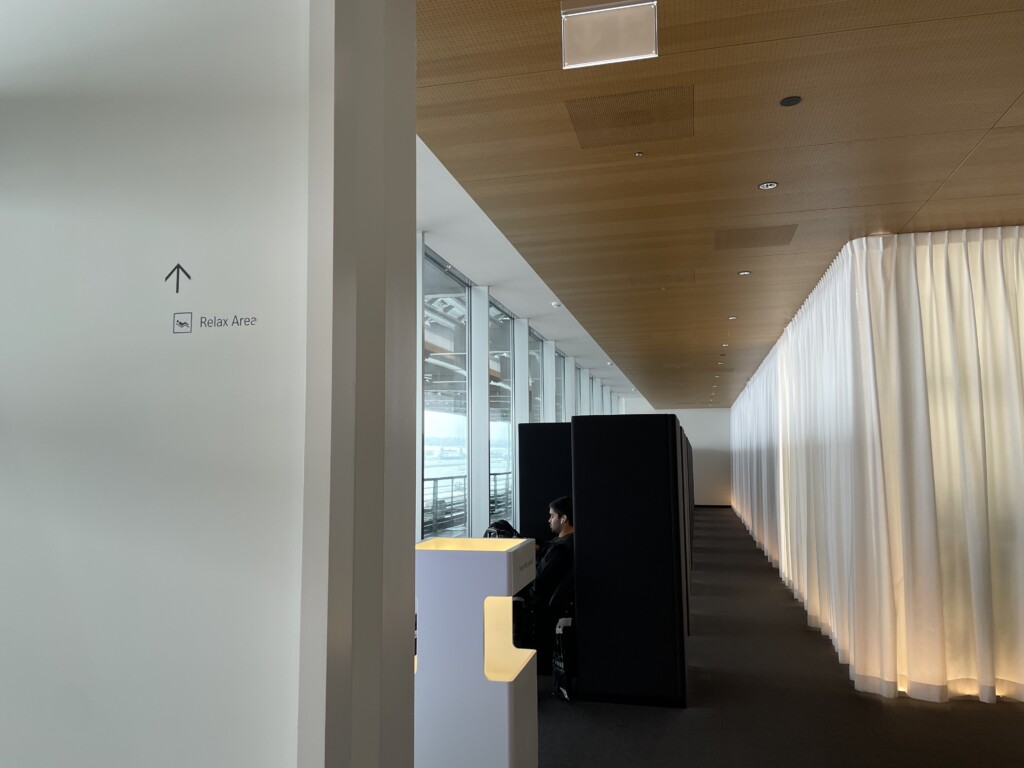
{"x":499,"y":399}
{"x":581,"y":400}
{"x":536,"y":349}
{"x":445,"y":402}
{"x":560,"y":387}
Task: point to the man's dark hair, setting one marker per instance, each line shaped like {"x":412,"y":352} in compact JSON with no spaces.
{"x":563,"y":506}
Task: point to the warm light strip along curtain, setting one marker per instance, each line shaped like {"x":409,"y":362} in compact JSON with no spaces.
{"x":878,"y":459}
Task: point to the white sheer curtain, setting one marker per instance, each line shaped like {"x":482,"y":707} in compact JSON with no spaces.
{"x":879,"y":461}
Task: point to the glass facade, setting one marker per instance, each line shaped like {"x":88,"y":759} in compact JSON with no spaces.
{"x":500,"y":412}
{"x":560,"y":387}
{"x":536,"y":351}
{"x":455,"y":467}
{"x":580,"y":400}
{"x":445,"y":402}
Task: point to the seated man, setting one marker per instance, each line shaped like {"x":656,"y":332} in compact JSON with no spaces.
{"x":555,"y":557}
{"x":551,"y":594}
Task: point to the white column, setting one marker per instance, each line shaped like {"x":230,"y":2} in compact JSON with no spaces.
{"x":375,"y":313}
{"x":586,"y":390}
{"x":479,"y":414}
{"x":548,"y":383}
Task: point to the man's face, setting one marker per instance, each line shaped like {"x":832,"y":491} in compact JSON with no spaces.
{"x":554,"y":521}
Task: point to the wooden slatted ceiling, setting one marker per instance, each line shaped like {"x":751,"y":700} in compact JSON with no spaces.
{"x":912,"y":120}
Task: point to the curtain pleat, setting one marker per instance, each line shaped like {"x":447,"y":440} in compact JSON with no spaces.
{"x":878,"y":459}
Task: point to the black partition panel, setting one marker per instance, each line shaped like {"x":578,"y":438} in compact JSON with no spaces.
{"x":688,"y":471}
{"x":684,"y":527}
{"x":545,"y":473}
{"x":630,"y":558}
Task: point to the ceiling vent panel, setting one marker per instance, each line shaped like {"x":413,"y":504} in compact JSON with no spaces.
{"x":634,"y":118}
{"x":754,"y":237}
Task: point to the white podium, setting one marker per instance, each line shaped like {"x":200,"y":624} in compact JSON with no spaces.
{"x":476,"y":693}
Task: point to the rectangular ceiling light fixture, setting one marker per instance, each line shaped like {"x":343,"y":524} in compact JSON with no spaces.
{"x":605,"y":33}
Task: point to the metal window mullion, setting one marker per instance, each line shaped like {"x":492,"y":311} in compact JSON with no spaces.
{"x":479,"y":413}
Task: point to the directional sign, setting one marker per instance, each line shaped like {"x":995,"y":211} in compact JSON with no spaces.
{"x":178,"y":271}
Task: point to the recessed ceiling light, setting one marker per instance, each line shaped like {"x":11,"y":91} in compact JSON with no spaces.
{"x":767,"y":185}
{"x":720,"y":362}
{"x":638,"y":154}
{"x":790,"y":101}
{"x":556,"y":304}
{"x":732,"y":317}
{"x":725,"y":345}
{"x":609,"y":363}
{"x":595,"y":32}
{"x":743,"y":273}
{"x":634,"y":389}
{"x":716,"y":375}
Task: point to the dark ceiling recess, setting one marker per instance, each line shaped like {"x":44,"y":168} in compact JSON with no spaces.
{"x":754,"y":237}
{"x":637,"y":117}
{"x":790,"y":101}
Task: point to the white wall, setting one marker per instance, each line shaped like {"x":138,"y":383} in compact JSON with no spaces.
{"x":708,"y":430}
{"x":151,"y":482}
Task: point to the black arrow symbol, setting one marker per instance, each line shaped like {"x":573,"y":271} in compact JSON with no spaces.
{"x":178,"y":271}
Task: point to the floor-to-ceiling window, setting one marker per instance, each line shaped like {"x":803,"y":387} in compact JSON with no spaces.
{"x":559,"y":386}
{"x":581,"y":393}
{"x":500,"y":402}
{"x":445,"y":401}
{"x":536,"y":350}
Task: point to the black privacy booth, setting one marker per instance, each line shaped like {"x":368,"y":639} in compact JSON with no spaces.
{"x":545,"y":474}
{"x":630,"y":489}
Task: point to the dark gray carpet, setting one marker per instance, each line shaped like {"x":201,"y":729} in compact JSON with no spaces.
{"x":764,"y":689}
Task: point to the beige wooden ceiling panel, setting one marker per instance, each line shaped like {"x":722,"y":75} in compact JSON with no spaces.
{"x":643,"y":197}
{"x":967,"y":213}
{"x":995,"y":167}
{"x":856,"y":86}
{"x":1014,"y":115}
{"x":674,"y":240}
{"x":458,"y":41}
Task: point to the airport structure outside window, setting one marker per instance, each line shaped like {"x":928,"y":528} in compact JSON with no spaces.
{"x":536,"y":352}
{"x":499,"y":388}
{"x":559,"y":386}
{"x":445,"y":401}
